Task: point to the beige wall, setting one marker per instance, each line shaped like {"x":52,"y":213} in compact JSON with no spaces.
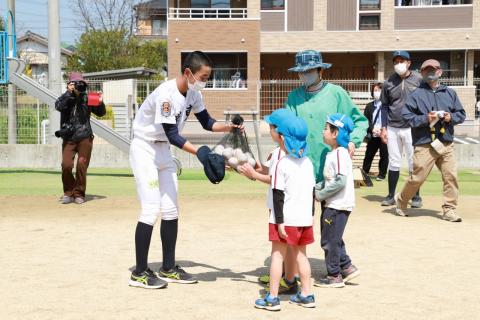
{"x":387,"y":39}
{"x":341,"y":15}
{"x":197,"y":35}
{"x":433,"y":18}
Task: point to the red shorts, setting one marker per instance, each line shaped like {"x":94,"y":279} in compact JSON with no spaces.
{"x":297,"y":236}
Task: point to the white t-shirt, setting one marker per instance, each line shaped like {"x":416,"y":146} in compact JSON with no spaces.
{"x":165,"y":105}
{"x":296,"y":178}
{"x":272,"y":161}
{"x":338,"y":161}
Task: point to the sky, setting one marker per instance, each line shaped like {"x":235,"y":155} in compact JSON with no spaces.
{"x":33,"y":15}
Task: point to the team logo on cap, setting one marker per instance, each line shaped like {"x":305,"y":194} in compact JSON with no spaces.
{"x":166,"y":109}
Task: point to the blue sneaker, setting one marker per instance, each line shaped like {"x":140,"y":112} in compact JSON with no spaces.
{"x":268,"y":303}
{"x":306,"y":302}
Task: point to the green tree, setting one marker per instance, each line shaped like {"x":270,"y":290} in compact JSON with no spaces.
{"x":108,"y":50}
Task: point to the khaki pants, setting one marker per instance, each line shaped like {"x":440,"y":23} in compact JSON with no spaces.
{"x":424,"y":157}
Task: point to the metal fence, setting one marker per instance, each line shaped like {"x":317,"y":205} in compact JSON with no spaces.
{"x":263,"y":97}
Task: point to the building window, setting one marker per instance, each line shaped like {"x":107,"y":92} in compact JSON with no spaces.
{"x":424,"y":3}
{"x":229,"y":70}
{"x":273,"y":4}
{"x":369,"y":21}
{"x":200,"y":4}
{"x":369,"y":5}
{"x":159,"y":27}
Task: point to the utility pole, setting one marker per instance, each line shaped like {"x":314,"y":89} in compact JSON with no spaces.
{"x":54,"y":65}
{"x":12,"y":90}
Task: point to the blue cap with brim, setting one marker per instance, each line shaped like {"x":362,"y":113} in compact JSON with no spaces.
{"x":307,"y":60}
{"x":345,"y":126}
{"x":401,"y":53}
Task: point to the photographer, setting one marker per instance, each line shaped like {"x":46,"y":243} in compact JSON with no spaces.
{"x":432,"y":111}
{"x":75,"y":107}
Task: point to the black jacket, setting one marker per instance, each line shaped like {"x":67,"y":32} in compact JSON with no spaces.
{"x":421,"y":102}
{"x":75,"y":111}
{"x":368,"y":113}
{"x":394,"y":94}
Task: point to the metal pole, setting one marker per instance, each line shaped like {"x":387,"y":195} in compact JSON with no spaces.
{"x":38,"y":121}
{"x":12,"y":90}
{"x":54,"y":65}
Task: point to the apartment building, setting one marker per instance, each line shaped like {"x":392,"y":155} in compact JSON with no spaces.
{"x":254,"y":40}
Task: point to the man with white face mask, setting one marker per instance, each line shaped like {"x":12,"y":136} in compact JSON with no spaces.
{"x":158,"y":124}
{"x":432,"y":111}
{"x":396,"y":131}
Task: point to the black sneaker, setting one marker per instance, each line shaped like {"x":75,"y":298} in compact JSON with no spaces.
{"x":147,"y":279}
{"x":417,"y":202}
{"x":177,"y":275}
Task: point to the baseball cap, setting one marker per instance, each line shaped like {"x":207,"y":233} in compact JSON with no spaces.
{"x":345,"y":127}
{"x":401,"y":53}
{"x":213,"y":164}
{"x":430,"y":63}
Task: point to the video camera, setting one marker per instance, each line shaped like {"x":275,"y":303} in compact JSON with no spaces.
{"x":65,"y":131}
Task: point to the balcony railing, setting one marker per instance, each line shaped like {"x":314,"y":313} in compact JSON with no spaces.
{"x":207,"y":13}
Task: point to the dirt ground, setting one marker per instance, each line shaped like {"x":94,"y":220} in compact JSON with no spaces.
{"x":74,"y":262}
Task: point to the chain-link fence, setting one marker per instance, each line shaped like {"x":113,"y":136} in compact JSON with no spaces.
{"x":125,"y":96}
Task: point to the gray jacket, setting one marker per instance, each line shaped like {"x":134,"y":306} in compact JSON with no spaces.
{"x":424,"y":100}
{"x":394,"y":94}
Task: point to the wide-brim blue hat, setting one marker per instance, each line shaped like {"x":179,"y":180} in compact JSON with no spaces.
{"x":307,"y":60}
{"x":345,"y":126}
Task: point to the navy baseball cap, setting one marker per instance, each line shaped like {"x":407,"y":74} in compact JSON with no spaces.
{"x":345,"y":126}
{"x":401,"y":53}
{"x":213,"y":164}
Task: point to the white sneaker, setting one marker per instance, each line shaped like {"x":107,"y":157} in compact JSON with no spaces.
{"x":398,"y":210}
{"x":67,"y":200}
{"x":451,"y":216}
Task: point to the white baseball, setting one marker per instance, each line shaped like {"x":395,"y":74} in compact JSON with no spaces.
{"x":249,"y":155}
{"x":233,"y":162}
{"x":237,"y":152}
{"x":219,"y":149}
{"x":242,"y":158}
{"x":252,"y":162}
{"x":227,"y":152}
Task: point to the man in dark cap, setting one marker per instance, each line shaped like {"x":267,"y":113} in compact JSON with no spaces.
{"x":432,"y":111}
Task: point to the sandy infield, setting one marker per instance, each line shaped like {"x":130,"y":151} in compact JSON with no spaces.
{"x":72,"y":262}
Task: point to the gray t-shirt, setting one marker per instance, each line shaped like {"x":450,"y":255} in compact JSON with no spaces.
{"x":394,"y":94}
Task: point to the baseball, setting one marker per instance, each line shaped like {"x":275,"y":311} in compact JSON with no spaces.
{"x":252,"y":162}
{"x":242,"y":158}
{"x":233,"y":162}
{"x":227,"y":152}
{"x":237,"y":152}
{"x":249,"y":155}
{"x":219,"y":149}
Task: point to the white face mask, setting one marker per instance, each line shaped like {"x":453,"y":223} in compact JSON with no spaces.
{"x":308,"y":78}
{"x":197,"y":85}
{"x":401,"y":68}
{"x":376,"y":95}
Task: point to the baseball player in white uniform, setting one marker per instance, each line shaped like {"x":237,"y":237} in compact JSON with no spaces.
{"x":157,"y":125}
{"x":395,"y":130}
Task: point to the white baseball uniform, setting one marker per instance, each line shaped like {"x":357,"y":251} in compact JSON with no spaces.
{"x":295,"y":177}
{"x":150,"y":157}
{"x":338,"y":161}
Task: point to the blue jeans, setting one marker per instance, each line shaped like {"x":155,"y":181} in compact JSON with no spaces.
{"x":332,"y":223}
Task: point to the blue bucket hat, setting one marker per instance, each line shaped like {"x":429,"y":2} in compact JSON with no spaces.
{"x":307,"y":60}
{"x":345,"y":127}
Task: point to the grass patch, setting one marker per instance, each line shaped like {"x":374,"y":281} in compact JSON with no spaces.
{"x":192,"y":183}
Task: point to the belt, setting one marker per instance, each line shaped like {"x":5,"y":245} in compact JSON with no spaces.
{"x":160,"y":141}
